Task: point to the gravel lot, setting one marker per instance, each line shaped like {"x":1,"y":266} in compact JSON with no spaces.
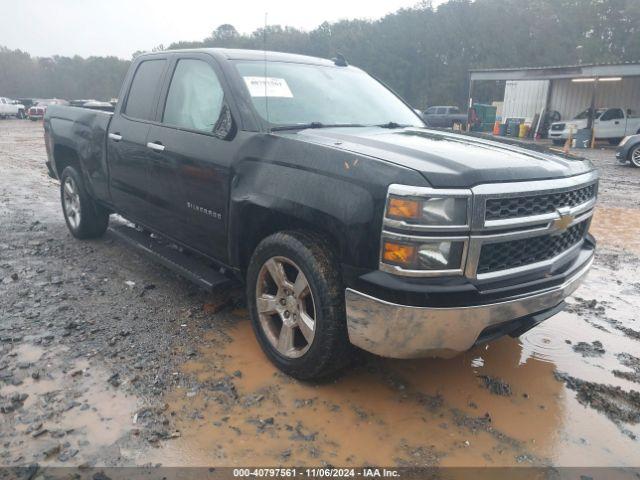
{"x":107,"y":359}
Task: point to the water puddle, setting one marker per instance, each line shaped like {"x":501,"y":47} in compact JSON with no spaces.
{"x":70,"y":413}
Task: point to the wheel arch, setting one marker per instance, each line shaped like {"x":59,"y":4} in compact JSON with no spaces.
{"x":261,"y":221}
{"x":63,"y":157}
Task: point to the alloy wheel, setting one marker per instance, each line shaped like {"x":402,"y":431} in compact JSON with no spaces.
{"x":635,"y":157}
{"x":71,"y":202}
{"x":285,"y":306}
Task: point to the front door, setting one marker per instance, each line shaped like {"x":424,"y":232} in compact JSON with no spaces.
{"x":133,"y":182}
{"x":611,"y":124}
{"x":194,"y":152}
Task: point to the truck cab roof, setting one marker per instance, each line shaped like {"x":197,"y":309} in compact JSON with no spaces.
{"x":251,"y":55}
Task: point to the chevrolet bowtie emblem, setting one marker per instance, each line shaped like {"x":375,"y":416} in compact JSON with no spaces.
{"x":566,"y":219}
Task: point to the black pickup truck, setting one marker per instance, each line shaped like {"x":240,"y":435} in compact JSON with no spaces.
{"x":349,"y":222}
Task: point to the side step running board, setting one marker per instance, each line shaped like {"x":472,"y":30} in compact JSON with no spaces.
{"x":192,"y":268}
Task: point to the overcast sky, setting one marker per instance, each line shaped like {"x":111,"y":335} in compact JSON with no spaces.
{"x":120,"y":27}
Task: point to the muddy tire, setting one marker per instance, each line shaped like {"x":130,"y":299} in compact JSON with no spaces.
{"x":84,"y":217}
{"x":296,"y":302}
{"x":634,"y":156}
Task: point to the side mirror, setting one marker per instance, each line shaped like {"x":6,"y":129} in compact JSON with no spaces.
{"x":225,"y":127}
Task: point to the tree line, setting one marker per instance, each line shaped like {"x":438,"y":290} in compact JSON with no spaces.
{"x":424,"y":53}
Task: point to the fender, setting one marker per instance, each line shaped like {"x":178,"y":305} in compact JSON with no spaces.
{"x":327,"y":190}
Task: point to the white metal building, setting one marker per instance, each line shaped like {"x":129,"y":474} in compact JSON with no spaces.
{"x":568,"y":89}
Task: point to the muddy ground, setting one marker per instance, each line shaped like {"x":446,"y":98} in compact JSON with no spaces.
{"x":107,"y":359}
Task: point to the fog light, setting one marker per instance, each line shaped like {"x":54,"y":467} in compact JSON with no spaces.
{"x":440,"y":255}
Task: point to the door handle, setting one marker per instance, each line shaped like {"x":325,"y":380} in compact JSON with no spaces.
{"x":155,"y":146}
{"x":617,"y":122}
{"x":116,"y":137}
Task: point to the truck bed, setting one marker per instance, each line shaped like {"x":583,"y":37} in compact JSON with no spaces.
{"x":84,"y":131}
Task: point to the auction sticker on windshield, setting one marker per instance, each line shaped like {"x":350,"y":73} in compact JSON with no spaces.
{"x":268,"y":87}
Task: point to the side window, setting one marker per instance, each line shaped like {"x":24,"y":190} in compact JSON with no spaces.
{"x":142,"y":94}
{"x":612,"y":114}
{"x":430,"y":111}
{"x":454,"y":110}
{"x":441,"y":111}
{"x":195,"y":97}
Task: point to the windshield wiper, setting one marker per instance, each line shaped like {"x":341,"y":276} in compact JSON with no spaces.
{"x":392,"y":125}
{"x":304,"y":126}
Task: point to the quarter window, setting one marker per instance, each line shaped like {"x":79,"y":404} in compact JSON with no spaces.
{"x":195,"y":97}
{"x":142,"y":94}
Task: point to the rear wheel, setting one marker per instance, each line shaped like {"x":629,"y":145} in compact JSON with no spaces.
{"x":296,"y":302}
{"x":84,"y":217}
{"x":634,"y":156}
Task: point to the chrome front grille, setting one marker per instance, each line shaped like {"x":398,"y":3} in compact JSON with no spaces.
{"x":513,"y":207}
{"x":527,"y":251}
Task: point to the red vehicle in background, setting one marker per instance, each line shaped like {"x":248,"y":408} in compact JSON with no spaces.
{"x":37,"y":111}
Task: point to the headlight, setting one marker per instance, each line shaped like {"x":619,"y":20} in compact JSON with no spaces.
{"x":431,"y":210}
{"x":410,"y":212}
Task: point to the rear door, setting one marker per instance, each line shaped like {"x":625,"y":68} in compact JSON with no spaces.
{"x":195,"y":151}
{"x":133,"y":182}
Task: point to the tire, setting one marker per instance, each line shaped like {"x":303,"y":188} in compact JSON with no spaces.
{"x":84,"y":217}
{"x":20,"y":114}
{"x":314,"y":349}
{"x":558,"y":142}
{"x":634,"y":156}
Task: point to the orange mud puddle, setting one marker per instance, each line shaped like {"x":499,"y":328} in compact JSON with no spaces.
{"x":426,"y":412}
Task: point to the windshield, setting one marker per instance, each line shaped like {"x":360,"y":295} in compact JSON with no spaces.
{"x":297,"y":94}
{"x":585,"y":114}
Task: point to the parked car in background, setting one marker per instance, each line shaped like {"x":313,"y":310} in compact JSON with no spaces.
{"x":37,"y":111}
{"x":611,"y":124}
{"x":444,"y":116}
{"x":347,"y":225}
{"x":629,"y":150}
{"x":11,"y":108}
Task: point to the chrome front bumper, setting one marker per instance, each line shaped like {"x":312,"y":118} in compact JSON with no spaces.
{"x":400,"y":331}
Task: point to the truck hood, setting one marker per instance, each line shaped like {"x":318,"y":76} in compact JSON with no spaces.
{"x":448,"y":160}
{"x":581,"y":123}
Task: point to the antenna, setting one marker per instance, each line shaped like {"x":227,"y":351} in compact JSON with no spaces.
{"x":266,"y":92}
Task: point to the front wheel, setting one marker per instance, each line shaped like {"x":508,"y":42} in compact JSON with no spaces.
{"x":296,"y":302}
{"x":634,"y":156}
{"x":84,"y":217}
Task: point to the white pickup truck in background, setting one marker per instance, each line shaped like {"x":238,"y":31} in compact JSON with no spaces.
{"x":10,"y":108}
{"x":611,"y":124}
